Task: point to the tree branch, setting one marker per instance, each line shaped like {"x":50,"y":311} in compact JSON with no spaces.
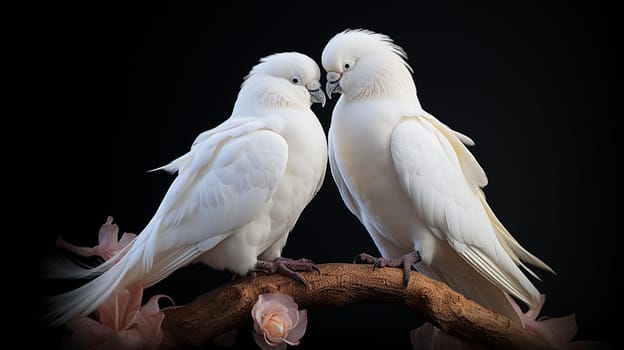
{"x":229,"y":306}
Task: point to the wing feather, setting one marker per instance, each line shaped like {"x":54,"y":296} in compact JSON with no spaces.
{"x":440,"y":176}
{"x":223,"y":184}
{"x":477,"y":179}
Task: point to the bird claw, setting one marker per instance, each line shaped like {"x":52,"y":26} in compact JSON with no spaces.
{"x":265,"y":267}
{"x":380,"y":263}
{"x":406,"y":262}
{"x":365,"y":259}
{"x":288,"y":267}
{"x":302,"y":264}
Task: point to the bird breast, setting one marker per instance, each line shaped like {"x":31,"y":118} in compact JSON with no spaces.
{"x":360,"y":138}
{"x":305,"y":170}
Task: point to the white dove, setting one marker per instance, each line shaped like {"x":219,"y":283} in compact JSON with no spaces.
{"x":238,"y":193}
{"x":411,"y":180}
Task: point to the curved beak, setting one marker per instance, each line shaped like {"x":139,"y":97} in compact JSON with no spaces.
{"x":316,"y":94}
{"x":333,"y":83}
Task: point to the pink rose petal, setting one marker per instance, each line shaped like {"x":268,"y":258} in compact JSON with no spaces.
{"x":298,"y":331}
{"x":108,"y":233}
{"x":134,"y":301}
{"x":557,"y":331}
{"x":262,"y":343}
{"x":151,"y":307}
{"x":148,"y":321}
{"x":88,"y":332}
{"x":113,"y":311}
{"x":107,"y":246}
{"x":292,"y":315}
{"x":125,"y":239}
{"x":82,"y":251}
{"x":274,"y":306}
{"x":273,"y":341}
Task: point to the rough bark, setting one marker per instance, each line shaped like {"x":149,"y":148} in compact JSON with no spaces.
{"x":229,"y":306}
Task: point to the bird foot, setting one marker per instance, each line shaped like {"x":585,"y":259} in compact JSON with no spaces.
{"x":406,"y":261}
{"x":287,"y":267}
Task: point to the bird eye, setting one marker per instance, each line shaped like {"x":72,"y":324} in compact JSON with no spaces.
{"x":348,"y":65}
{"x":295,"y":79}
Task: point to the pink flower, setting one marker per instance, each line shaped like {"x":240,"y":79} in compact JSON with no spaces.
{"x":277,"y":321}
{"x":557,"y":331}
{"x":123,"y":324}
{"x":107,"y":238}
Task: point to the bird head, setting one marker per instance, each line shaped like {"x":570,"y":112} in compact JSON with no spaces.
{"x":286,"y":79}
{"x":363,"y":64}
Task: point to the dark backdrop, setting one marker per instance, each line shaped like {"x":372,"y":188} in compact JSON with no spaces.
{"x":103,"y":93}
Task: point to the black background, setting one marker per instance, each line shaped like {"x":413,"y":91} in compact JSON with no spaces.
{"x":103,"y":93}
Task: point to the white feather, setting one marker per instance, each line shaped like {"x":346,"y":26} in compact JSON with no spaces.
{"x":238,"y":192}
{"x":411,"y":180}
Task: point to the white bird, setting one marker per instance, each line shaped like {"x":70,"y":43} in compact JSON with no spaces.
{"x":238,"y":193}
{"x":411,"y":180}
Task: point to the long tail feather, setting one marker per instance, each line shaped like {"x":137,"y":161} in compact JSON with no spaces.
{"x":114,"y":275}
